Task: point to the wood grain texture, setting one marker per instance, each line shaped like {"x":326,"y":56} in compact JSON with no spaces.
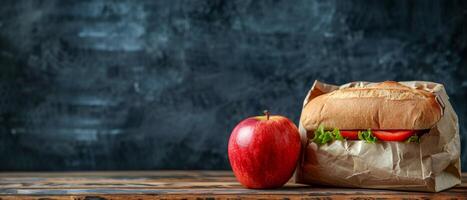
{"x":181,"y":185}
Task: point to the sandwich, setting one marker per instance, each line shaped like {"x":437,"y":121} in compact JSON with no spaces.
{"x":386,"y":111}
{"x":387,"y":135}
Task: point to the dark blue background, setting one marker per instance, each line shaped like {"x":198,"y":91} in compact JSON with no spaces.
{"x":107,"y":84}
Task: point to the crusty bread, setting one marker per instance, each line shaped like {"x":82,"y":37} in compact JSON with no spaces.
{"x":387,"y":105}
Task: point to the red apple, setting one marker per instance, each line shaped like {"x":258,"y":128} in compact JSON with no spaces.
{"x":264,"y":150}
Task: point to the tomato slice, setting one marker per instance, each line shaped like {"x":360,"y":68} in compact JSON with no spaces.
{"x":393,"y":135}
{"x":350,"y":135}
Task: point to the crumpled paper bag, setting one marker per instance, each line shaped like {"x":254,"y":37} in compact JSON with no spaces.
{"x":431,"y":165}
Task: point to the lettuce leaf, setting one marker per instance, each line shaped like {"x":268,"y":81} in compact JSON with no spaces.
{"x":367,"y":136}
{"x":337,"y":134}
{"x":413,"y":138}
{"x":323,"y":137}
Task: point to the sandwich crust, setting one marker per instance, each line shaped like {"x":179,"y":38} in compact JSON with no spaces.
{"x":387,"y":105}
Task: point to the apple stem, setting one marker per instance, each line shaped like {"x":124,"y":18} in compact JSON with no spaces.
{"x":266,"y":112}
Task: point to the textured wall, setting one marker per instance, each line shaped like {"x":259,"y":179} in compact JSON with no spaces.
{"x":160,"y":84}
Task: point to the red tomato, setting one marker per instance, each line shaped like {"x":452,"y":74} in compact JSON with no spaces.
{"x":350,"y":135}
{"x":393,"y":135}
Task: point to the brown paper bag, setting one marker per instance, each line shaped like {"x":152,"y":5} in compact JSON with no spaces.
{"x":431,"y":165}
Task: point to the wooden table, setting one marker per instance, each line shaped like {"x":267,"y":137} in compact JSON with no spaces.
{"x":180,"y":185}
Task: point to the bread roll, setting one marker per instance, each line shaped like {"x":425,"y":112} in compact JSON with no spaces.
{"x":384,"y":106}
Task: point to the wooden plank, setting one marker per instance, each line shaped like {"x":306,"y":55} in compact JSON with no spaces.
{"x":180,"y":185}
{"x":242,"y":196}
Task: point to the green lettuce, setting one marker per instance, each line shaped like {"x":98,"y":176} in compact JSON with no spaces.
{"x":367,"y":136}
{"x":323,"y":137}
{"x":413,"y":138}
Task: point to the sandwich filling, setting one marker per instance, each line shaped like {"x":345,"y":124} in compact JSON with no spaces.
{"x":370,"y":136}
